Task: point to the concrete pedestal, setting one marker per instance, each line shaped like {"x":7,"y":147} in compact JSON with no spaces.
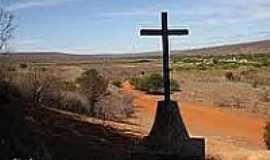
{"x":169,"y":138}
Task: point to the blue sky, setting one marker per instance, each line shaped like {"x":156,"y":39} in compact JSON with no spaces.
{"x":111,"y":26}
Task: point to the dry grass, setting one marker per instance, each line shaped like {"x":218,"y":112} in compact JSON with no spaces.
{"x":212,"y":88}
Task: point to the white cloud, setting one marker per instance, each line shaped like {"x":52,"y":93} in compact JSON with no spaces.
{"x":207,"y":11}
{"x":129,"y":13}
{"x":24,"y":4}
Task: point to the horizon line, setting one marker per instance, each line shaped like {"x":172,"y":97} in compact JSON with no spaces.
{"x":139,"y":52}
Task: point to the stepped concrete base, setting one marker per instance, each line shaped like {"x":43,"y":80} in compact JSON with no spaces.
{"x":169,"y":138}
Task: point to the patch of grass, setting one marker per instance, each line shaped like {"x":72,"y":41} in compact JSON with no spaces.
{"x":152,"y":83}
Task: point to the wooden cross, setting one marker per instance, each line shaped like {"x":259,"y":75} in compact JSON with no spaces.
{"x":165,"y":33}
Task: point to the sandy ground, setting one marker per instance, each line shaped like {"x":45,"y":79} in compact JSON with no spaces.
{"x":232,"y":135}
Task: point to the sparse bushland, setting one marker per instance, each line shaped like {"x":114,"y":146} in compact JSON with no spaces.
{"x":255,"y":77}
{"x":38,"y":87}
{"x":228,"y":62}
{"x":88,"y":94}
{"x":152,"y":83}
{"x":24,"y":92}
{"x":267,"y":135}
{"x":99,"y":99}
{"x":17,"y":140}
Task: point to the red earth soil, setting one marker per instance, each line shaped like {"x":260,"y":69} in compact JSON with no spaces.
{"x":203,"y":120}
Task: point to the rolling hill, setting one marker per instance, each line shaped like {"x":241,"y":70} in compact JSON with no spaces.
{"x":258,"y":47}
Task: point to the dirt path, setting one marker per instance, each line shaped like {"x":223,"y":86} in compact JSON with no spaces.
{"x":236,"y":128}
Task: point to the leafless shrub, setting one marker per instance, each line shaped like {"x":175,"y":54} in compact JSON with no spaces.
{"x":7,"y":27}
{"x":114,"y":107}
{"x":256,"y":78}
{"x":93,"y":96}
{"x":74,"y":102}
{"x":7,"y":89}
{"x":4,"y":83}
{"x":38,"y":87}
{"x":265,"y":95}
{"x":16,"y":137}
{"x":258,"y":81}
{"x":232,"y":76}
{"x":267,"y":135}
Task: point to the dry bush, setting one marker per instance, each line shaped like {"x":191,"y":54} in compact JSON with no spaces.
{"x":93,"y":96}
{"x":111,"y":106}
{"x":74,"y":102}
{"x":265,"y":95}
{"x":232,"y":76}
{"x":38,"y":87}
{"x":267,"y":135}
{"x":16,"y":137}
{"x":256,"y":78}
{"x":114,"y":107}
{"x":213,"y":157}
{"x":8,"y":91}
{"x":233,"y":102}
{"x":4,"y":84}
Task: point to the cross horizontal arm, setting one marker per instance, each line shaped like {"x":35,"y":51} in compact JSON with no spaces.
{"x":159,"y":32}
{"x":151,"y":32}
{"x":178,"y":32}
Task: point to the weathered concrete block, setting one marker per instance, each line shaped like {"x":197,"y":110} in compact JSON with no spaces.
{"x":169,"y":139}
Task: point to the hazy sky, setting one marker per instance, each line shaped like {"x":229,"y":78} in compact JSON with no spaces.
{"x":111,"y":26}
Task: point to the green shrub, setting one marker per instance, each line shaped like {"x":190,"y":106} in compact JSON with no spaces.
{"x":152,"y":83}
{"x":267,"y":135}
{"x":23,"y":65}
{"x":93,"y":85}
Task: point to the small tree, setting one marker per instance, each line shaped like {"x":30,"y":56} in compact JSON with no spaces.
{"x":38,"y":87}
{"x":93,"y":85}
{"x":7,"y":27}
{"x":267,"y":135}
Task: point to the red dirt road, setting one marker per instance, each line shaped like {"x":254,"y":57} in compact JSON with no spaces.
{"x":210,"y":122}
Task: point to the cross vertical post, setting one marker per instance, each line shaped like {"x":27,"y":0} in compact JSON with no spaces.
{"x":165,"y":33}
{"x":166,"y":70}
